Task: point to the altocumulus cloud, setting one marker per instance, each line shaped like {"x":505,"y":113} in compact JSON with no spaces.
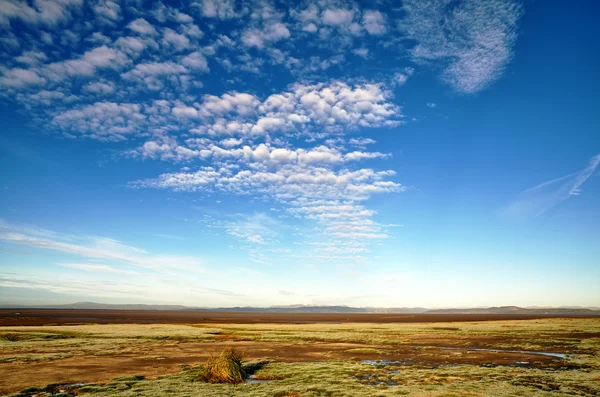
{"x":175,"y":84}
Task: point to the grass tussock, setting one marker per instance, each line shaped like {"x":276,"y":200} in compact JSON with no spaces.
{"x":227,"y":367}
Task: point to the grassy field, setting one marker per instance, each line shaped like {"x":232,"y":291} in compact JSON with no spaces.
{"x":426,"y":359}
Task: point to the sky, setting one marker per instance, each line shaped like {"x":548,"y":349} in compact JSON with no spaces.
{"x":217,"y":153}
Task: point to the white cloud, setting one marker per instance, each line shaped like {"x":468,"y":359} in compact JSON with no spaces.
{"x":31,"y":57}
{"x":356,"y":155}
{"x":142,"y":27}
{"x":374,"y":22}
{"x":231,"y":142}
{"x":337,"y":17}
{"x":310,"y":27}
{"x":47,"y":13}
{"x":102,"y":120}
{"x":261,"y":37}
{"x":193,"y":31}
{"x":196,"y":61}
{"x":334,"y":107}
{"x":155,"y":68}
{"x":361,"y":52}
{"x":285,"y":182}
{"x":131,"y":45}
{"x":18,"y":78}
{"x":288,"y":184}
{"x":154,"y":75}
{"x":361,"y":142}
{"x":99,"y":87}
{"x":87,"y":65}
{"x":166,"y":149}
{"x":178,"y":41}
{"x":103,"y":57}
{"x":221,"y":9}
{"x":138,"y":75}
{"x":184,"y":111}
{"x":107,"y":12}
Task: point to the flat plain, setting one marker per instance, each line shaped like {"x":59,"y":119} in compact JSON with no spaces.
{"x":149,"y":353}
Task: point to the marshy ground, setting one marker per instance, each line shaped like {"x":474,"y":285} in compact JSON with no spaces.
{"x":477,"y":358}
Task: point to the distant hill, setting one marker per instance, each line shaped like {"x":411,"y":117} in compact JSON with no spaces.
{"x":554,"y":311}
{"x":519,"y":310}
{"x":290,"y":309}
{"x":102,"y":306}
{"x":316,"y":309}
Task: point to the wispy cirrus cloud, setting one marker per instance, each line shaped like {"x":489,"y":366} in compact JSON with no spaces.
{"x":541,"y":198}
{"x":168,"y":236}
{"x":118,"y":270}
{"x":472,"y":40}
{"x":100,"y":248}
{"x":94,"y":267}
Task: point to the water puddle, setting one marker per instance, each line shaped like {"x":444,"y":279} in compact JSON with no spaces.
{"x":548,"y":354}
{"x":64,"y":389}
{"x":252,"y":380}
{"x":383,"y":363}
{"x":411,"y":361}
{"x":398,"y":363}
{"x":377,"y":363}
{"x":375,"y":380}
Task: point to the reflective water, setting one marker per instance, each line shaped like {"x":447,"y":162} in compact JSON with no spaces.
{"x":550,"y":354}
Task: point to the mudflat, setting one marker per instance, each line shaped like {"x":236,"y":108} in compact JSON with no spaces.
{"x":74,"y":316}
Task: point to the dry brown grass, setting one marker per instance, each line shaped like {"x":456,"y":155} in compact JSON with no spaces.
{"x":227,"y":367}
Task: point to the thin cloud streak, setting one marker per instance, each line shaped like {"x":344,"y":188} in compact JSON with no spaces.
{"x":539,"y":199}
{"x":96,"y":248}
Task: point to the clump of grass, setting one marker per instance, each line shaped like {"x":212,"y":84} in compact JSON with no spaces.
{"x":227,"y":367}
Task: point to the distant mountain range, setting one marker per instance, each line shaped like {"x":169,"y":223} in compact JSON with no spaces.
{"x":520,"y":310}
{"x":100,"y":306}
{"x":326,"y":309}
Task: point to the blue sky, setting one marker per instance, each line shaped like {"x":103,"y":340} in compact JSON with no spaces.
{"x":220,"y":153}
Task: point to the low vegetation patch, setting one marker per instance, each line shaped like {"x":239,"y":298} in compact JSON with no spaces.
{"x":32,"y":336}
{"x":32,"y":358}
{"x":366,"y":350}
